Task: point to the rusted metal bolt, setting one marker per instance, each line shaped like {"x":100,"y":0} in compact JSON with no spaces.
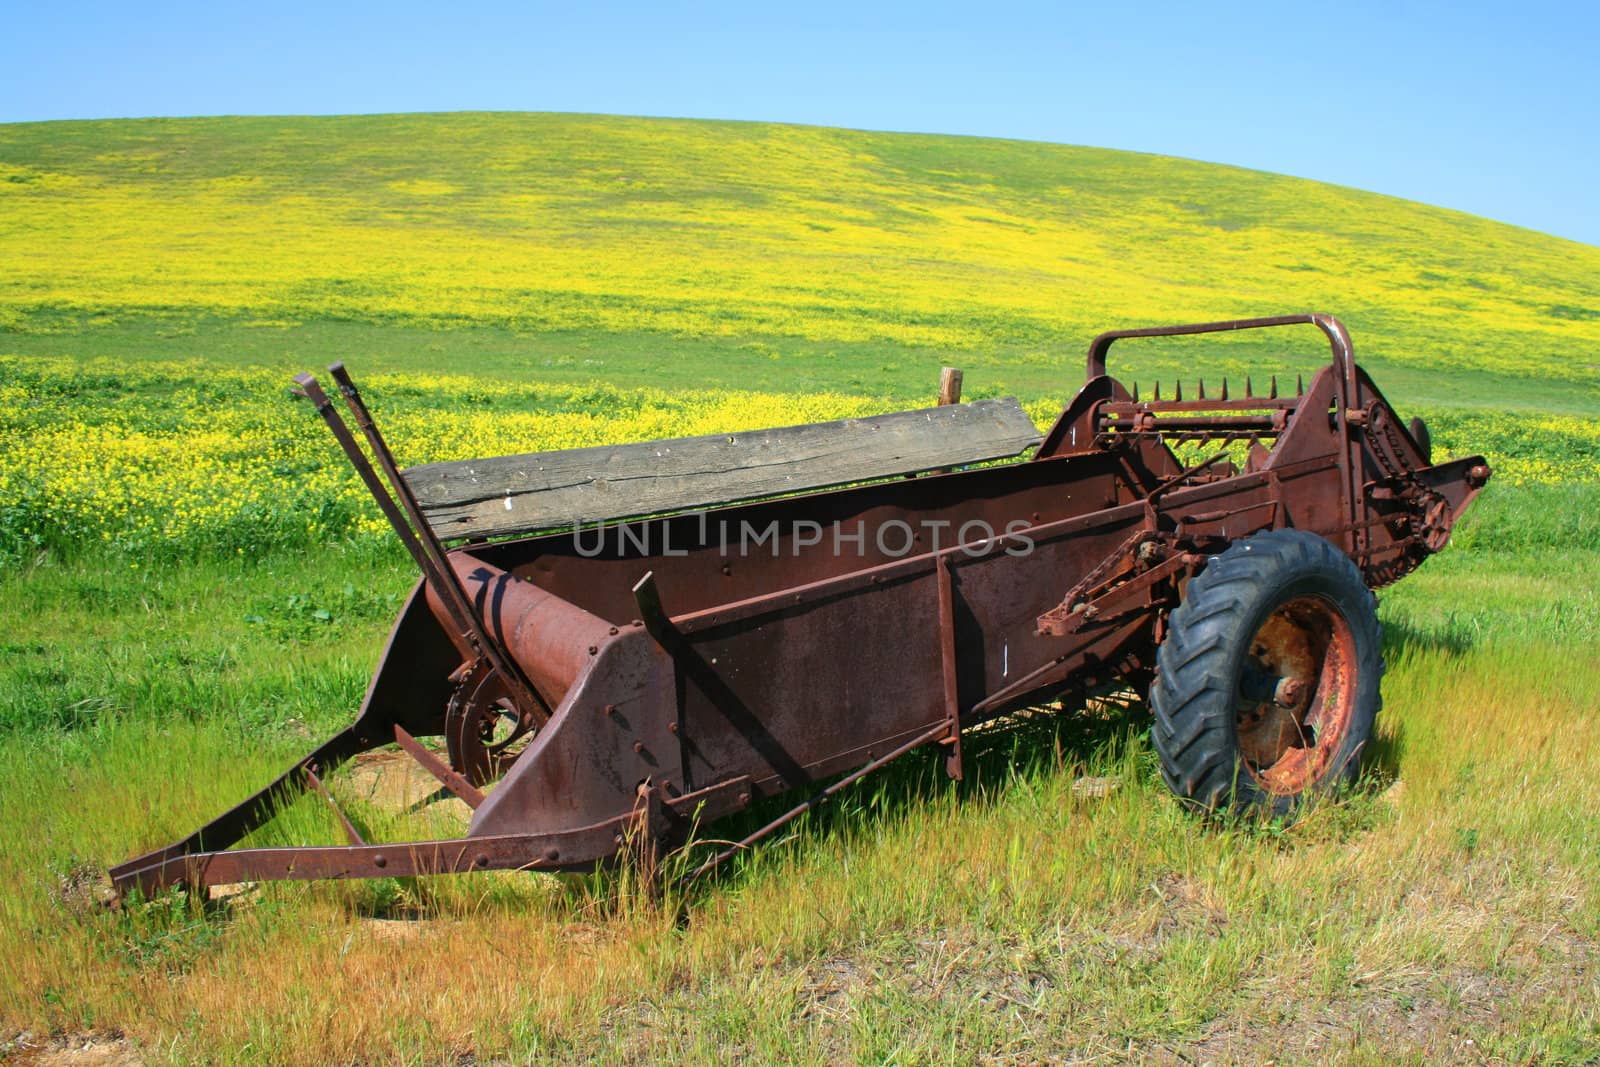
{"x":552,"y":854}
{"x":480,"y":860}
{"x":1289,"y":692}
{"x":610,"y":709}
{"x":672,"y":727}
{"x":1478,"y":474}
{"x":744,"y":798}
{"x":593,"y":649}
{"x":380,"y":862}
{"x":612,"y":631}
{"x":638,"y":746}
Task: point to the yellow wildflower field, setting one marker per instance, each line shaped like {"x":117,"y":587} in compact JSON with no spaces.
{"x":705,"y":229}
{"x":179,"y":458}
{"x":182,"y":458}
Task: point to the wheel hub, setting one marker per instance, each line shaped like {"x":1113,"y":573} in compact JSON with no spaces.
{"x":1296,"y":695}
{"x":484,"y":732}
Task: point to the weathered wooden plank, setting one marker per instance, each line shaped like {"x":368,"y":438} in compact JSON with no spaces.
{"x":547,"y":490}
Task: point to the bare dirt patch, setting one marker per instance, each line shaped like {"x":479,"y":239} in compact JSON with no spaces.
{"x":95,"y":1048}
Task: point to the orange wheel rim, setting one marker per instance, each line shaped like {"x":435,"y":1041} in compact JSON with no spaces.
{"x":1296,"y":696}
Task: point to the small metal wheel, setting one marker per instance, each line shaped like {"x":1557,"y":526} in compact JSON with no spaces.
{"x":1267,"y":682}
{"x":483,"y":732}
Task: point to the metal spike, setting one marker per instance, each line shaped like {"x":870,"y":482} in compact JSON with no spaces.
{"x":1136,"y":392}
{"x":1202,"y":388}
{"x":1299,"y":385}
{"x":1224,"y":388}
{"x":1248,"y":390}
{"x":1178,"y":391}
{"x":1158,"y":389}
{"x":1274,"y":394}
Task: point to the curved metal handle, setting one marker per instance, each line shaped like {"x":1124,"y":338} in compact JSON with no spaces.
{"x":1338,"y":337}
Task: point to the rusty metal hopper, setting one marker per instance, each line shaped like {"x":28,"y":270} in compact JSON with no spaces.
{"x":636,"y":639}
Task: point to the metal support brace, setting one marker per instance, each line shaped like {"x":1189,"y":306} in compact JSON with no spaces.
{"x":350,"y":831}
{"x":452,"y":781}
{"x":947,"y":656}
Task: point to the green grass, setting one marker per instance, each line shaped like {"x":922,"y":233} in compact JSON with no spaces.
{"x":1445,"y":911}
{"x":900,"y":373}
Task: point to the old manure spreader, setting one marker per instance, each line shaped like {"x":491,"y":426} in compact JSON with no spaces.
{"x":627,"y":641}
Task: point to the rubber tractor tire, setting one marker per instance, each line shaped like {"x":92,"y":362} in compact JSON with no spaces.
{"x":1267,"y":681}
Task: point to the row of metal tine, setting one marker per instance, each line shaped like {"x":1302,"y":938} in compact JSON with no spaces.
{"x":1249,"y":389}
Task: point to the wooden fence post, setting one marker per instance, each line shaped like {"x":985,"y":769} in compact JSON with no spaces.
{"x":949,"y":386}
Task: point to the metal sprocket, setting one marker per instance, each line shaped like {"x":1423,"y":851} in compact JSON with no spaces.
{"x":484,"y":732}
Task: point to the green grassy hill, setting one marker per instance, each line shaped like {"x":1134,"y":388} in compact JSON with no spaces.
{"x":764,"y":256}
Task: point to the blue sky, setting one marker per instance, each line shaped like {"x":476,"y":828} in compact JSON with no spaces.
{"x":1489,"y":108}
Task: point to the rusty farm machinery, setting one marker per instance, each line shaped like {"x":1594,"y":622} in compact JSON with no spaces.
{"x":625,"y":642}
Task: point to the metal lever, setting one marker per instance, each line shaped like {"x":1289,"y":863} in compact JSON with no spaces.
{"x":400,"y":507}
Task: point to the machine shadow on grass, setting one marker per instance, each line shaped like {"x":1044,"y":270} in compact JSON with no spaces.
{"x":1075,"y":739}
{"x":1402,"y":638}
